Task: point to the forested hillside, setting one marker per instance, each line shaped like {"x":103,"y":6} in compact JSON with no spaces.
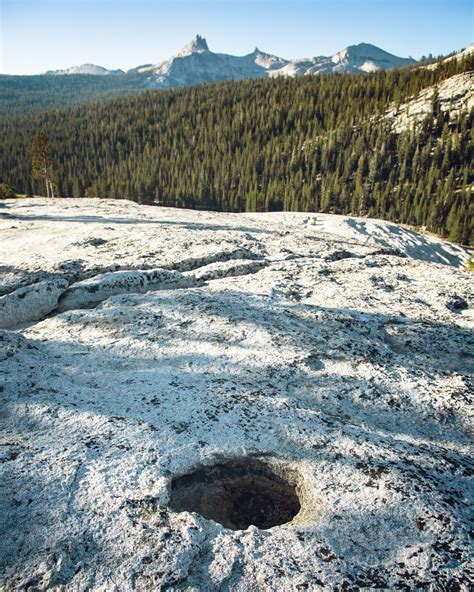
{"x":317,"y":143}
{"x":26,"y":93}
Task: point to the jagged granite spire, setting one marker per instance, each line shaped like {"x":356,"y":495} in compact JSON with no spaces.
{"x":197,"y":45}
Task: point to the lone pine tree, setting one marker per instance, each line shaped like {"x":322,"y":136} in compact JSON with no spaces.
{"x":41,"y":160}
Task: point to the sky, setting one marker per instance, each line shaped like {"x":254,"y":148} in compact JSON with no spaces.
{"x":40,"y":35}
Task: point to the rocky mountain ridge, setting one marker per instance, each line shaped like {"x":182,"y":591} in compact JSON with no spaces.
{"x":91,"y":69}
{"x":195,"y":64}
{"x":453,"y":96}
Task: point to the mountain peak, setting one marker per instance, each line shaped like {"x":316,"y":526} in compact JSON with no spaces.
{"x":368,"y":57}
{"x":196,"y":45}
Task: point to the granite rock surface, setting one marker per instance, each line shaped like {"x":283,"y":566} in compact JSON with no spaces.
{"x":339,"y":348}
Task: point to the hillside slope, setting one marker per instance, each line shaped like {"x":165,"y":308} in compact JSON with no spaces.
{"x":170,"y":341}
{"x":321,"y":144}
{"x":451,"y":97}
{"x":194,"y":64}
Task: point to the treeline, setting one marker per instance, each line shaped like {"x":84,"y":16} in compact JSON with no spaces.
{"x":313,"y":144}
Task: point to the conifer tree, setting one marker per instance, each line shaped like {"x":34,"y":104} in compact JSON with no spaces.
{"x":41,"y":160}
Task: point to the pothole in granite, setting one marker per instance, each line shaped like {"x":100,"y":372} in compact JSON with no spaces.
{"x":242,"y":492}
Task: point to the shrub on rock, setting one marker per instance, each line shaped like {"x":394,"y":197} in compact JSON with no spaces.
{"x":6,"y":192}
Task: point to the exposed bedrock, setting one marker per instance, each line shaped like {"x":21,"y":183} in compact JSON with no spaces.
{"x":90,"y":292}
{"x":289,"y":408}
{"x":30,"y":303}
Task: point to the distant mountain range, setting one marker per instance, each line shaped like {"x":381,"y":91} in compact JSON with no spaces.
{"x":196,"y":64}
{"x":86,"y":69}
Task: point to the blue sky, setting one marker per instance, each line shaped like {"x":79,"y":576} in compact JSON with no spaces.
{"x":37,"y":35}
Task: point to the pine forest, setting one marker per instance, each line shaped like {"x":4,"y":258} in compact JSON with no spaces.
{"x":313,"y":144}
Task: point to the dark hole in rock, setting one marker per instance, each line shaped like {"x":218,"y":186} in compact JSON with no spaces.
{"x":237,"y":494}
